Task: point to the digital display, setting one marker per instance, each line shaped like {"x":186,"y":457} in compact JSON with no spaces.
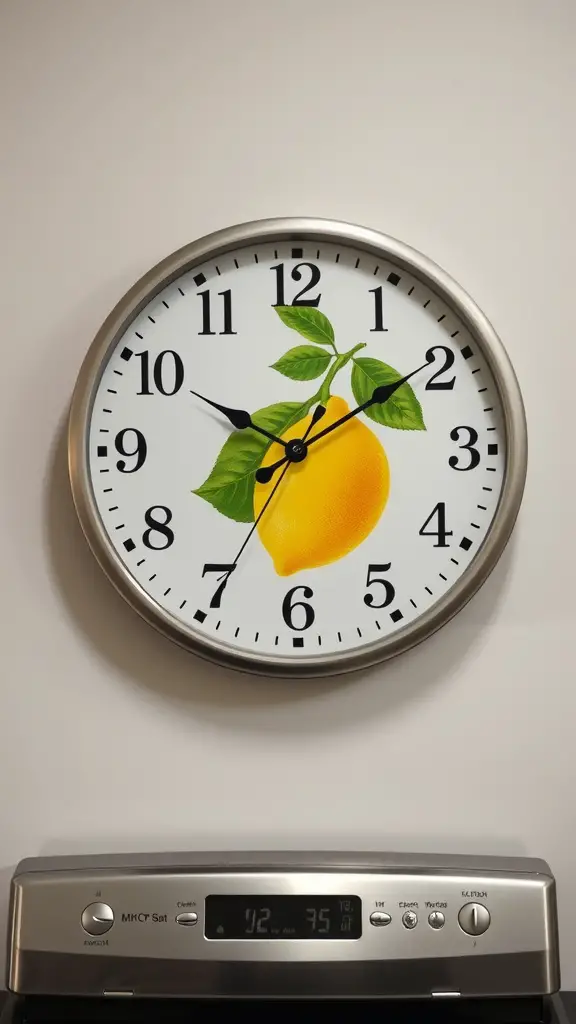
{"x":283,"y":917}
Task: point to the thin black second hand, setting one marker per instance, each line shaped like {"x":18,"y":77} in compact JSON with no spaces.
{"x":316,"y":416}
{"x":263,"y":509}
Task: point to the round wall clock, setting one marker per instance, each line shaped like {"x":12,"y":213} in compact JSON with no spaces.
{"x":297,"y":447}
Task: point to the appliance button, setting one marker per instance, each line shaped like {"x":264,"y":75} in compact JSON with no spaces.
{"x":187,"y":919}
{"x":97,"y":919}
{"x":409,"y":919}
{"x":436,"y":919}
{"x":379,"y":918}
{"x":474,"y":918}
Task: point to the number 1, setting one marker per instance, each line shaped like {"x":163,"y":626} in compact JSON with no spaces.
{"x":378,"y":310}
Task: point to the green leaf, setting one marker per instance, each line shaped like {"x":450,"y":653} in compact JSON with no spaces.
{"x":309,"y":322}
{"x":230,"y":485}
{"x":402,"y":410}
{"x":303,"y":362}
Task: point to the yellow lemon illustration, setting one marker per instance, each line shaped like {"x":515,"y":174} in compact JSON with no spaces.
{"x":327,"y":504}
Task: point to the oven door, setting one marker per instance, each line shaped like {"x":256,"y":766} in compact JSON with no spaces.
{"x":551,"y":1010}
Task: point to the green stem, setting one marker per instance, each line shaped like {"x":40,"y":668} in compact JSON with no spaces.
{"x":323,"y":393}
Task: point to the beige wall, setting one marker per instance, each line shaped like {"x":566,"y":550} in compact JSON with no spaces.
{"x":129,"y":127}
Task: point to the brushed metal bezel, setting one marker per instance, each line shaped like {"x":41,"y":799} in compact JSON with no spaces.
{"x":428,"y":273}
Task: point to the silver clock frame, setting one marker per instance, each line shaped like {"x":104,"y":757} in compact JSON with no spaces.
{"x":292,"y":229}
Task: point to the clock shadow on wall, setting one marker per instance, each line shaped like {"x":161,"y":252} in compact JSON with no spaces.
{"x":129,"y":646}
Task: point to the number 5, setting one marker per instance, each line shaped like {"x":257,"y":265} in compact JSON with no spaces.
{"x":389,"y":592}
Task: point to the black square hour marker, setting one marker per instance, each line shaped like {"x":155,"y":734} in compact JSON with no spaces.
{"x":297,"y":641}
{"x":396,"y":616}
{"x":467,"y":352}
{"x":199,"y":616}
{"x":198,"y":280}
{"x":492,"y":449}
{"x":297,"y":254}
{"x":466,"y":543}
{"x":102,"y":451}
{"x":129,"y":544}
{"x":126,"y":354}
{"x":393,"y":278}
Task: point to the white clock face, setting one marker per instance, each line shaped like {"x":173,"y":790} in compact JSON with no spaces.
{"x":375,"y":522}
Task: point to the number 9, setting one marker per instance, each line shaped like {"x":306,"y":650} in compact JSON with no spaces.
{"x":140,"y":451}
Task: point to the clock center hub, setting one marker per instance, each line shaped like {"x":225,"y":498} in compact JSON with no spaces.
{"x":296,"y":450}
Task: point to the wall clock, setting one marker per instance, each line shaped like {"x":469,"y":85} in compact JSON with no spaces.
{"x":297,"y":447}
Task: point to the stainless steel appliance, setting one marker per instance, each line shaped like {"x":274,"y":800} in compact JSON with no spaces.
{"x":455,"y":936}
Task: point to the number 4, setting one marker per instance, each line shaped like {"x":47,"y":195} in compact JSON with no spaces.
{"x":441,"y":533}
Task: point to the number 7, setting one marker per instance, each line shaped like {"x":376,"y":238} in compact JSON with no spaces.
{"x":226,"y":570}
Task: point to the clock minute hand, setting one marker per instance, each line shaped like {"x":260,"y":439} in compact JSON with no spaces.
{"x":240,"y":419}
{"x":380,"y":395}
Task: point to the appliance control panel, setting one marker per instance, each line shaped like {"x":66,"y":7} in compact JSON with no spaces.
{"x":322,"y":922}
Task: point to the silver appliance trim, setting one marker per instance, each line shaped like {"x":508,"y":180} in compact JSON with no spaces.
{"x":430,"y":925}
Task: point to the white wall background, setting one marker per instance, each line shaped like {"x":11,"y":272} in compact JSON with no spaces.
{"x":129,"y":127}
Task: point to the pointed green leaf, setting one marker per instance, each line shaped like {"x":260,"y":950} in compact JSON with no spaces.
{"x":402,"y":410}
{"x":309,"y":322}
{"x":305,"y":362}
{"x":230,"y":485}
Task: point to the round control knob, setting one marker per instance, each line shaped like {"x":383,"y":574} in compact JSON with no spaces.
{"x":409,"y":919}
{"x":436,"y":919}
{"x":97,"y":919}
{"x":474,"y":918}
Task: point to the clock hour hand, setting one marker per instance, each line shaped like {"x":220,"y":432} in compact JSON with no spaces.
{"x":265,"y":473}
{"x":227,"y":570}
{"x":240,"y":419}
